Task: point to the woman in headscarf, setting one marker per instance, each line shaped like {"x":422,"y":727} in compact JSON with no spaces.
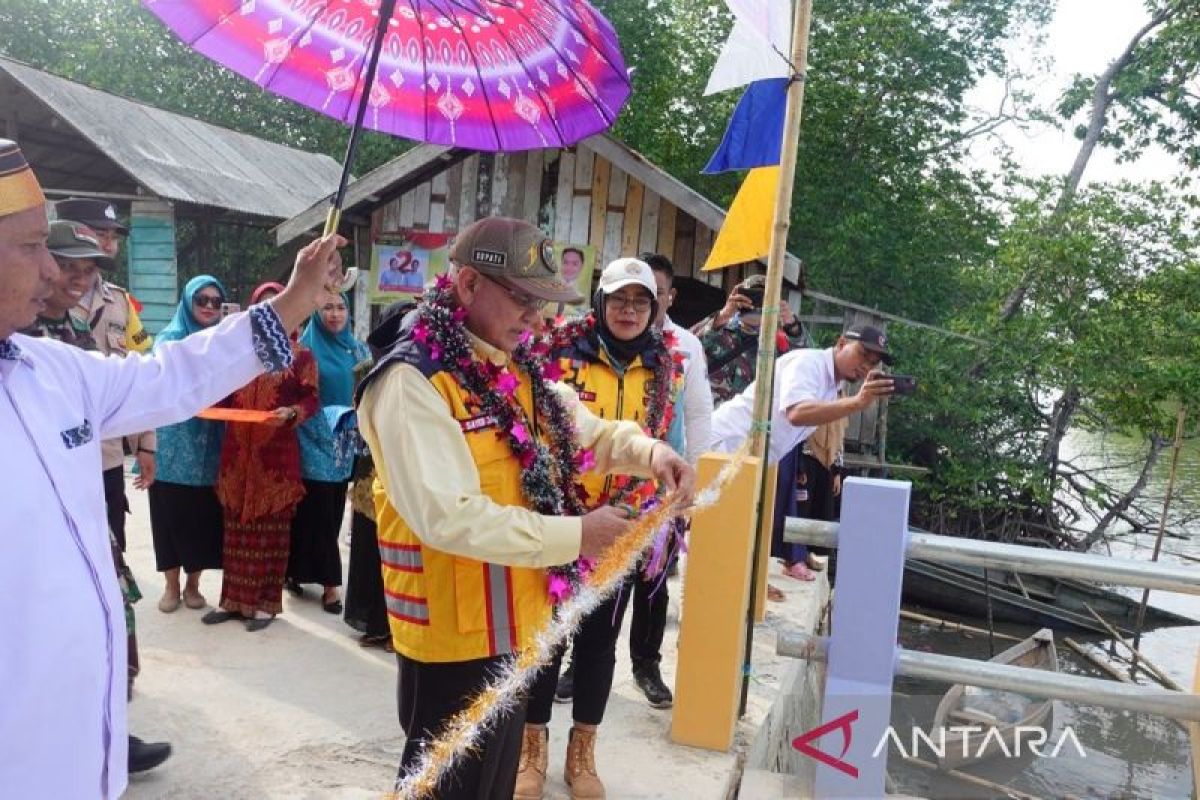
{"x":622,"y":368}
{"x":185,"y":515}
{"x":259,"y":486}
{"x":326,"y":454}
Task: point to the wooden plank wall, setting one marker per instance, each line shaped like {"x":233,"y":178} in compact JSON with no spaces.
{"x":574,"y":195}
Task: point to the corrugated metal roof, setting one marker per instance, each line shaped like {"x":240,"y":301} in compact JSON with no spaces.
{"x":183,"y":159}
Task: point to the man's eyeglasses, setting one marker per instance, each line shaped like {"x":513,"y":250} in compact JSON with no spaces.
{"x":617,"y":302}
{"x":207,"y":301}
{"x":523,"y":299}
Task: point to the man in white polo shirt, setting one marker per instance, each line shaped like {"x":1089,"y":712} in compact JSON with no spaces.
{"x":806,"y":388}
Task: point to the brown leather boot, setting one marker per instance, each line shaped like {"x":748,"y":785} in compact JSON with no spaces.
{"x":531,"y":773}
{"x":580,"y":771}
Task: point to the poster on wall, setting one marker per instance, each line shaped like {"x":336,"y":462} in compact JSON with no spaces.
{"x":402,"y":263}
{"x":578,"y":263}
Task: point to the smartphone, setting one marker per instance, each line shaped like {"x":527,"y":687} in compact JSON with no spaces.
{"x":229,"y":308}
{"x":903,"y":384}
{"x":755,"y":296}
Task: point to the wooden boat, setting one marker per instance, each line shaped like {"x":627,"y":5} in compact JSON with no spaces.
{"x":1034,"y":600}
{"x":1003,"y":717}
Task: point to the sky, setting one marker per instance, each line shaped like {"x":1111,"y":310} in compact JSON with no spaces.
{"x":1084,"y":37}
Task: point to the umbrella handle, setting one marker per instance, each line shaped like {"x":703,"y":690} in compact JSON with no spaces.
{"x":350,"y":277}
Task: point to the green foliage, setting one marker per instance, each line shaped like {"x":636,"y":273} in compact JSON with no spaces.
{"x":1155,"y":101}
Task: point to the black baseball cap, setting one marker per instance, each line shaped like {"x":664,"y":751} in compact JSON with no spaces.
{"x":872,"y":339}
{"x":99,"y":215}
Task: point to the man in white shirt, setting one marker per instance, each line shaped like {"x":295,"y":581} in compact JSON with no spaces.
{"x":62,"y":666}
{"x":805,"y":396}
{"x":806,"y":388}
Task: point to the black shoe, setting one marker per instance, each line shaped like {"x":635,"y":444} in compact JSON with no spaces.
{"x":566,"y":685}
{"x":145,"y":756}
{"x":649,"y":680}
{"x":217,"y":616}
{"x":294,"y":588}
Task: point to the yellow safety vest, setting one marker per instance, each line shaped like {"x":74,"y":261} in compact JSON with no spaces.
{"x":608,"y":394}
{"x":443,"y":607}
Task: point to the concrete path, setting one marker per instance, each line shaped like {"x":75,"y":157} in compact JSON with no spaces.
{"x":301,"y":711}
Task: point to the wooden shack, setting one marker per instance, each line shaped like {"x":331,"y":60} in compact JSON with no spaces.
{"x":159,"y":169}
{"x":600,"y":192}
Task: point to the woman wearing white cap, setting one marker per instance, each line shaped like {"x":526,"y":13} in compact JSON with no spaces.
{"x":621,"y":368}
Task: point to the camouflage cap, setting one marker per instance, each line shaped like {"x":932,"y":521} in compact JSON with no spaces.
{"x":75,"y":240}
{"x":515,"y":253}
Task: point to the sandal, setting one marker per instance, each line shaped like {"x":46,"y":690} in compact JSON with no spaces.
{"x":332,"y":606}
{"x":259,"y":623}
{"x":800,"y":572}
{"x":169,"y":602}
{"x":217,"y":616}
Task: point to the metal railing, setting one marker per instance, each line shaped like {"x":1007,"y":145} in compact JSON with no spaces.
{"x":1022,"y":680}
{"x":1018,"y":558}
{"x":1031,"y":560}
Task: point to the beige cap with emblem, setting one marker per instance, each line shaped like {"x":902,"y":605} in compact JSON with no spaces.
{"x":514,"y":253}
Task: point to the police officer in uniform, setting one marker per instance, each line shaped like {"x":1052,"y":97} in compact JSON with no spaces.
{"x":112,"y":314}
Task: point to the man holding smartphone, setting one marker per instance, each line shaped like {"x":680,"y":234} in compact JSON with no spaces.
{"x":806,"y":389}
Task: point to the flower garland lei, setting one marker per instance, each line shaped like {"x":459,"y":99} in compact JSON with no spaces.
{"x":550,"y":466}
{"x":638,"y":495}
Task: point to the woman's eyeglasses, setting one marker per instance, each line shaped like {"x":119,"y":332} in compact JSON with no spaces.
{"x":206,"y":301}
{"x":618,"y":303}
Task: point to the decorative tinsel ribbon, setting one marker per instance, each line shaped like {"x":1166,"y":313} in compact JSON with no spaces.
{"x":462,"y":733}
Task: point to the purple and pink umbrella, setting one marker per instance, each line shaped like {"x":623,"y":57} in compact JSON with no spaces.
{"x":497,"y":75}
{"x":500,"y":75}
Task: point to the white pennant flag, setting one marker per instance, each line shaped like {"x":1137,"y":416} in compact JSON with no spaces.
{"x":758,"y":46}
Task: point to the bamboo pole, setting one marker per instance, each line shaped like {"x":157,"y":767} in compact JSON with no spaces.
{"x":1149,"y":666}
{"x":1098,"y":662}
{"x":971,"y":779}
{"x":957,"y":627}
{"x":1180,"y":418}
{"x":765,"y":366}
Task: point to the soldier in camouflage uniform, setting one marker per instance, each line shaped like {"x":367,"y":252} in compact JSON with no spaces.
{"x":730,"y":337}
{"x":112,"y":315}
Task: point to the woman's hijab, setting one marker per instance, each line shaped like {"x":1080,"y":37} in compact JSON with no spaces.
{"x":336,"y":355}
{"x":623,"y":351}
{"x":183,"y":324}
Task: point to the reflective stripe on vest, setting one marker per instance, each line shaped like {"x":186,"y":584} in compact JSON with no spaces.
{"x":402,"y":557}
{"x":499,"y":598}
{"x":406,"y":607}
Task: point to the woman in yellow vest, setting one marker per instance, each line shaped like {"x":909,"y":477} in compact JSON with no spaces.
{"x":621,"y":368}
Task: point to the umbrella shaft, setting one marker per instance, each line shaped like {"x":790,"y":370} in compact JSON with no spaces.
{"x":385,"y":15}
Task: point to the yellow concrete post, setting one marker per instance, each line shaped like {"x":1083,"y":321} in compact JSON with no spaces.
{"x":716,"y":596}
{"x":764,"y":557}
